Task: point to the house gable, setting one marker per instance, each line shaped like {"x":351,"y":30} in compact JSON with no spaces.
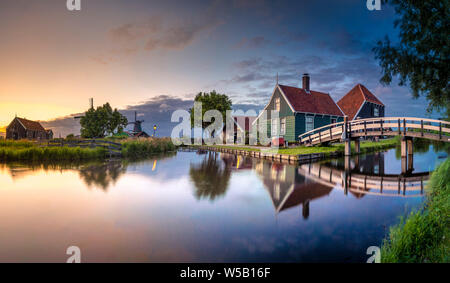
{"x":353,"y":104}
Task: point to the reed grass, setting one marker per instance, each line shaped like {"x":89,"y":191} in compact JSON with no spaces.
{"x":144,"y":147}
{"x":35,"y":153}
{"x":424,"y":235}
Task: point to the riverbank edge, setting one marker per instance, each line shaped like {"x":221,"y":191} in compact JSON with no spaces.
{"x":290,"y":155}
{"x":424,"y":235}
{"x":131,"y":149}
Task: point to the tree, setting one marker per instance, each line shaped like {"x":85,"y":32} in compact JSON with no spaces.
{"x":212,"y":101}
{"x":96,"y":123}
{"x":421,"y":58}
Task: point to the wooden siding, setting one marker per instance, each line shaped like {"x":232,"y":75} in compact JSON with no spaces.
{"x":319,"y":121}
{"x":368,"y":109}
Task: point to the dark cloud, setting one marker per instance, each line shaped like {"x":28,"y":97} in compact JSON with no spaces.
{"x":254,"y":42}
{"x":157,"y":110}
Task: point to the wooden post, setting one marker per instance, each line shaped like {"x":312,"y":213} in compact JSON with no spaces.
{"x":348,"y":147}
{"x":347,"y":142}
{"x":404,"y":165}
{"x":399,"y":127}
{"x":421,"y":127}
{"x":404,"y":150}
{"x":404,"y":127}
{"x":440,"y":130}
{"x":409,"y":143}
{"x":357,"y":146}
{"x":365,"y":128}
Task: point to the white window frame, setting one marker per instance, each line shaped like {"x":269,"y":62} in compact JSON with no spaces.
{"x":376,"y":112}
{"x":273,"y":129}
{"x":283,"y":126}
{"x":277,"y":103}
{"x":306,"y":123}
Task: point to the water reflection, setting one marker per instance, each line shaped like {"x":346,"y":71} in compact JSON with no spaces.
{"x":102,"y":175}
{"x":203,"y":207}
{"x":290,"y":186}
{"x":210,"y":177}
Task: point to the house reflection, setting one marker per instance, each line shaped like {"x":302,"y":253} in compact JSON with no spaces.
{"x":288,"y":188}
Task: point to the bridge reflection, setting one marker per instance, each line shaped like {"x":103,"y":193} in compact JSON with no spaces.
{"x":291,"y":186}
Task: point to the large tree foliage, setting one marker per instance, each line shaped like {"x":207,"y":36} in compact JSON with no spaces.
{"x":96,"y":123}
{"x":421,"y":58}
{"x":212,"y":101}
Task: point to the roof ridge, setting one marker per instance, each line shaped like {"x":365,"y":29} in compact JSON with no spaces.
{"x":362,"y":92}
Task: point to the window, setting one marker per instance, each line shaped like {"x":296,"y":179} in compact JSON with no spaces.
{"x":277,"y":104}
{"x":375,"y":112}
{"x":309,"y":123}
{"x":274,"y":128}
{"x":283,"y":126}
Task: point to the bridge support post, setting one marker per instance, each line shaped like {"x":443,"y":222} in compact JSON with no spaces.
{"x":404,"y":165}
{"x":357,"y":146}
{"x":403,"y":147}
{"x":348,"y":147}
{"x":409,"y":145}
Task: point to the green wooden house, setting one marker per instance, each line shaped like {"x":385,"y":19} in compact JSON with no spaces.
{"x":300,"y":110}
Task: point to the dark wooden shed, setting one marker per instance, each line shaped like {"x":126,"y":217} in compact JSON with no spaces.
{"x":21,"y":128}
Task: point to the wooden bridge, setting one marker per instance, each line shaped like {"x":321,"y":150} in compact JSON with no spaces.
{"x":406,"y":127}
{"x":114,"y":149}
{"x":410,"y":185}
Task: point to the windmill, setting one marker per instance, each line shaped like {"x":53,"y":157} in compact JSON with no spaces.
{"x":91,"y":102}
{"x":137,"y":124}
{"x":137,"y":129}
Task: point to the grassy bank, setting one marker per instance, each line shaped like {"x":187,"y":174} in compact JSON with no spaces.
{"x":34,"y":153}
{"x":424,"y":235}
{"x":145,"y":147}
{"x":365,"y":146}
{"x":30,"y":151}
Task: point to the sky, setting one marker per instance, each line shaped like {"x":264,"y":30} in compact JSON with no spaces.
{"x":154,"y":56}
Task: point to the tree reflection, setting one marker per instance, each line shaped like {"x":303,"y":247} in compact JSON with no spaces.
{"x":210,"y":177}
{"x":102,"y":175}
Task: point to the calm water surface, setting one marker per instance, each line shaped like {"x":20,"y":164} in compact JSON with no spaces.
{"x":202,"y":207}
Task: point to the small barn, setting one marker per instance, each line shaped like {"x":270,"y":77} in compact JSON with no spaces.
{"x":21,"y":128}
{"x":360,"y":103}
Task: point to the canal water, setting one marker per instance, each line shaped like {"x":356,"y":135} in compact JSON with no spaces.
{"x":205,"y":207}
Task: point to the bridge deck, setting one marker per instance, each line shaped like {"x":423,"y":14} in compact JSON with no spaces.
{"x":378,"y":127}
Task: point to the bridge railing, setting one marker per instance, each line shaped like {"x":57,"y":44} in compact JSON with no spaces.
{"x":332,"y":130}
{"x":402,"y":126}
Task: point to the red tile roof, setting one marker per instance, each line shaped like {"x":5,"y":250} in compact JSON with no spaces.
{"x":313,"y":102}
{"x":31,"y":125}
{"x":352,"y":101}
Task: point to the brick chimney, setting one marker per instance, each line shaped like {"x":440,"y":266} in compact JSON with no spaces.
{"x":305,"y":81}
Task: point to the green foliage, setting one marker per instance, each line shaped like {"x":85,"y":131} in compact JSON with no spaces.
{"x":136,"y":149}
{"x":421,"y":58}
{"x":424,"y":236}
{"x":96,"y":123}
{"x":16,"y":144}
{"x":42,"y":154}
{"x":212,"y":101}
